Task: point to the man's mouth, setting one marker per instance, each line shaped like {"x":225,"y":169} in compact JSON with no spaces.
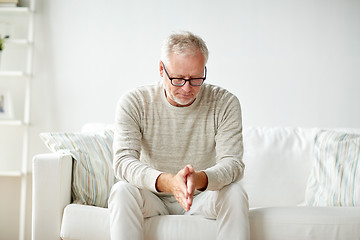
{"x":185,"y":95}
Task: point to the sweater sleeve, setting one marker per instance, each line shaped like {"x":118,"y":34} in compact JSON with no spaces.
{"x":127,"y":145}
{"x":229,"y":166}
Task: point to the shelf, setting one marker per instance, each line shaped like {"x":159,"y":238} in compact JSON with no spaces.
{"x":14,"y":10}
{"x":17,"y":41}
{"x":11,"y":174}
{"x":12,"y":123}
{"x":13,"y":74}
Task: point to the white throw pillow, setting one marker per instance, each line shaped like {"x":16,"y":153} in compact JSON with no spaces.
{"x":93,"y":174}
{"x":335,"y":177}
{"x":277,"y":165}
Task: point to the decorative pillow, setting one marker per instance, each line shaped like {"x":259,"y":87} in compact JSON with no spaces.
{"x":93,"y":174}
{"x":335,"y":177}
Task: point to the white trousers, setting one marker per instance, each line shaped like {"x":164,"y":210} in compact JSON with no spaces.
{"x":129,"y":206}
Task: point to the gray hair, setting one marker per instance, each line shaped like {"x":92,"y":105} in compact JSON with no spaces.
{"x":183,"y":43}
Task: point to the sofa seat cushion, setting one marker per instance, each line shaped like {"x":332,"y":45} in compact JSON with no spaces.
{"x":276,"y":223}
{"x":93,"y":223}
{"x":284,"y":223}
{"x":85,"y":222}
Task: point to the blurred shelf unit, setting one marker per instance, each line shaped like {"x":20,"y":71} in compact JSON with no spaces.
{"x":16,"y":61}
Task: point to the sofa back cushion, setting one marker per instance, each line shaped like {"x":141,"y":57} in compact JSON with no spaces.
{"x":277,"y":164}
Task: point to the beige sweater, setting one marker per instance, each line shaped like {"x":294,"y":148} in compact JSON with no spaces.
{"x":152,"y":136}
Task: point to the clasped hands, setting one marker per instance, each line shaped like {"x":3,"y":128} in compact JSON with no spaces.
{"x":182,"y":185}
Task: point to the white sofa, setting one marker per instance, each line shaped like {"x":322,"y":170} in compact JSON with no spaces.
{"x":278,"y":163}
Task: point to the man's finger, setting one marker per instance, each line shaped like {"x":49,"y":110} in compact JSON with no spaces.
{"x":190,"y":184}
{"x":182,"y":201}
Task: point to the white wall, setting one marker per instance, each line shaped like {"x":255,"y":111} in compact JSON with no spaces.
{"x":290,"y":62}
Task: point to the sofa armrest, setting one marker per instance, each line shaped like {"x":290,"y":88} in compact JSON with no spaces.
{"x":51,"y":193}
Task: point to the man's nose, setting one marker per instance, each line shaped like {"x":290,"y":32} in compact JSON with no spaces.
{"x":187,"y":87}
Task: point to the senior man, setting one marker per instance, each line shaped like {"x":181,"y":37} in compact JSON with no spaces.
{"x":178,"y":148}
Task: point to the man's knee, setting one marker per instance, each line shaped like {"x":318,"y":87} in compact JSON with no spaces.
{"x":234,"y":189}
{"x":123,"y":192}
{"x":235,"y":193}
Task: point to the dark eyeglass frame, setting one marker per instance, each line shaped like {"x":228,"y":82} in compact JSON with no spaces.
{"x":185,"y":80}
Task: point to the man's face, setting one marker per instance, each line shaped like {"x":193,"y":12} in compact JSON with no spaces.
{"x":183,"y":66}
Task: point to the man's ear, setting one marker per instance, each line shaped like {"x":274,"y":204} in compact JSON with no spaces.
{"x":161,"y":69}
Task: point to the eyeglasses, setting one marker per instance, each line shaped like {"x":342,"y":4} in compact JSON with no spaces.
{"x":178,"y":82}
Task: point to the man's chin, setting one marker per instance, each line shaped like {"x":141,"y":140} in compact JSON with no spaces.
{"x":184,"y":102}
